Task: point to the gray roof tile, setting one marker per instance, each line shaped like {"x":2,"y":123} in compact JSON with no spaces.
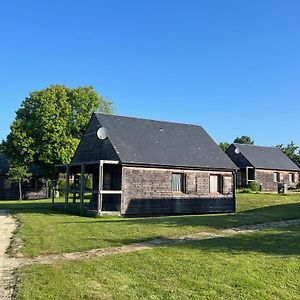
{"x":262,"y":157}
{"x":143,"y":141}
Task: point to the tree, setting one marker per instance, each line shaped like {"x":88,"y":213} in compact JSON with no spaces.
{"x":18,"y":173}
{"x":224,"y":146}
{"x":49,"y":124}
{"x":292,"y":151}
{"x":244,"y":139}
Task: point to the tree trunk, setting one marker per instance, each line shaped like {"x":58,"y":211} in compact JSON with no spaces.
{"x":20,"y":190}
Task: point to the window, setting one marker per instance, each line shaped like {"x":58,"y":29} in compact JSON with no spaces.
{"x":251,"y":174}
{"x":291,"y":177}
{"x":276,"y":177}
{"x":215,"y":184}
{"x":178,"y":182}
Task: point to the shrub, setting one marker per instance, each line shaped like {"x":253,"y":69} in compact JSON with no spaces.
{"x":62,"y":186}
{"x":243,"y":191}
{"x":254,"y":186}
{"x":298,"y":186}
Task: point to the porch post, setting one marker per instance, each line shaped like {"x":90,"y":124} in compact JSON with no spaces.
{"x":100,"y":187}
{"x":52,"y":196}
{"x":67,"y":185}
{"x":82,"y":184}
{"x":74,"y":188}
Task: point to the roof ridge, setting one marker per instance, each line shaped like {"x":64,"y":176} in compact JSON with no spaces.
{"x":145,"y":119}
{"x":250,"y":145}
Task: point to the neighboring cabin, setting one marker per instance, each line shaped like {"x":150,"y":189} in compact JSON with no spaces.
{"x":35,"y":188}
{"x":269,"y":166}
{"x":147,"y":167}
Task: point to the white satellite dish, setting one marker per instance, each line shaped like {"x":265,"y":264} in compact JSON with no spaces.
{"x":237,"y":151}
{"x":102,"y":133}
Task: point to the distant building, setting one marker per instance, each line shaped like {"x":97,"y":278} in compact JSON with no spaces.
{"x":35,"y":188}
{"x":269,"y":166}
{"x":147,"y":167}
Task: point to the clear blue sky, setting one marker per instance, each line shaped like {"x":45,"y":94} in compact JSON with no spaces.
{"x":231,"y":66}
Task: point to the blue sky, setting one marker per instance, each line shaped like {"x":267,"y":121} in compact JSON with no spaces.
{"x":231,"y":66}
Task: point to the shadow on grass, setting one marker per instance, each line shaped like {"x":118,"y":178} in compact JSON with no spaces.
{"x":283,"y":241}
{"x":279,"y":241}
{"x":32,"y":206}
{"x":217,"y":221}
{"x":259,"y":215}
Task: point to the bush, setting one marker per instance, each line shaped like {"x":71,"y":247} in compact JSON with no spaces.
{"x":254,"y":186}
{"x":243,"y":191}
{"x":298,"y":186}
{"x":62,"y":186}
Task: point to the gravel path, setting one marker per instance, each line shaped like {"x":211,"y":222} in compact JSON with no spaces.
{"x":7,"y":265}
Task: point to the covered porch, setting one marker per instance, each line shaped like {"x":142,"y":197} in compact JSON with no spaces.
{"x":245,"y":176}
{"x":94,"y":185}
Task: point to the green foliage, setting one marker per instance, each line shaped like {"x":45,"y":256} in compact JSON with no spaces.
{"x":254,"y":186}
{"x":88,"y":182}
{"x":244,"y":139}
{"x":18,"y":173}
{"x":292,"y":151}
{"x":224,"y":146}
{"x":298,"y":186}
{"x":62,"y":183}
{"x":49,"y":125}
{"x":244,"y":191}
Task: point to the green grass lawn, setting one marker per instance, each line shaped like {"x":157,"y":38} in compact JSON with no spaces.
{"x":262,"y":265}
{"x":45,"y":231}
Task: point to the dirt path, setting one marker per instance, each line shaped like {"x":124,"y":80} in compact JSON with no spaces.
{"x":53,"y":258}
{"x":7,"y":265}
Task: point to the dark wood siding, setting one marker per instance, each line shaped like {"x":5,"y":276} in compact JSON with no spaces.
{"x":239,"y":159}
{"x":93,"y":149}
{"x":148,"y":191}
{"x":173,"y":206}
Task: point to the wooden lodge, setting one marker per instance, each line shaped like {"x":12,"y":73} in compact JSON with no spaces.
{"x":147,"y":167}
{"x":35,"y":188}
{"x":269,"y":166}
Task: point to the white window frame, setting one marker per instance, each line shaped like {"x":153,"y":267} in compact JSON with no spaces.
{"x":216,"y":188}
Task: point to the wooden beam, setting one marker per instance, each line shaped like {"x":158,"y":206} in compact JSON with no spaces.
{"x":100,"y":187}
{"x":67,"y":186}
{"x":52,"y":196}
{"x":110,"y":192}
{"x":82,"y":184}
{"x":74,"y":188}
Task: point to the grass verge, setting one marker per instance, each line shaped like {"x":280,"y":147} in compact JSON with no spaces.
{"x":44,"y":231}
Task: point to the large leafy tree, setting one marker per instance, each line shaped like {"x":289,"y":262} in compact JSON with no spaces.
{"x":292,"y":151}
{"x":224,"y":146}
{"x":49,"y":124}
{"x":244,"y":139}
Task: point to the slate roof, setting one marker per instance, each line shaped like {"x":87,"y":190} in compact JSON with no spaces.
{"x":142,"y":141}
{"x":4,"y":167}
{"x":262,"y":157}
